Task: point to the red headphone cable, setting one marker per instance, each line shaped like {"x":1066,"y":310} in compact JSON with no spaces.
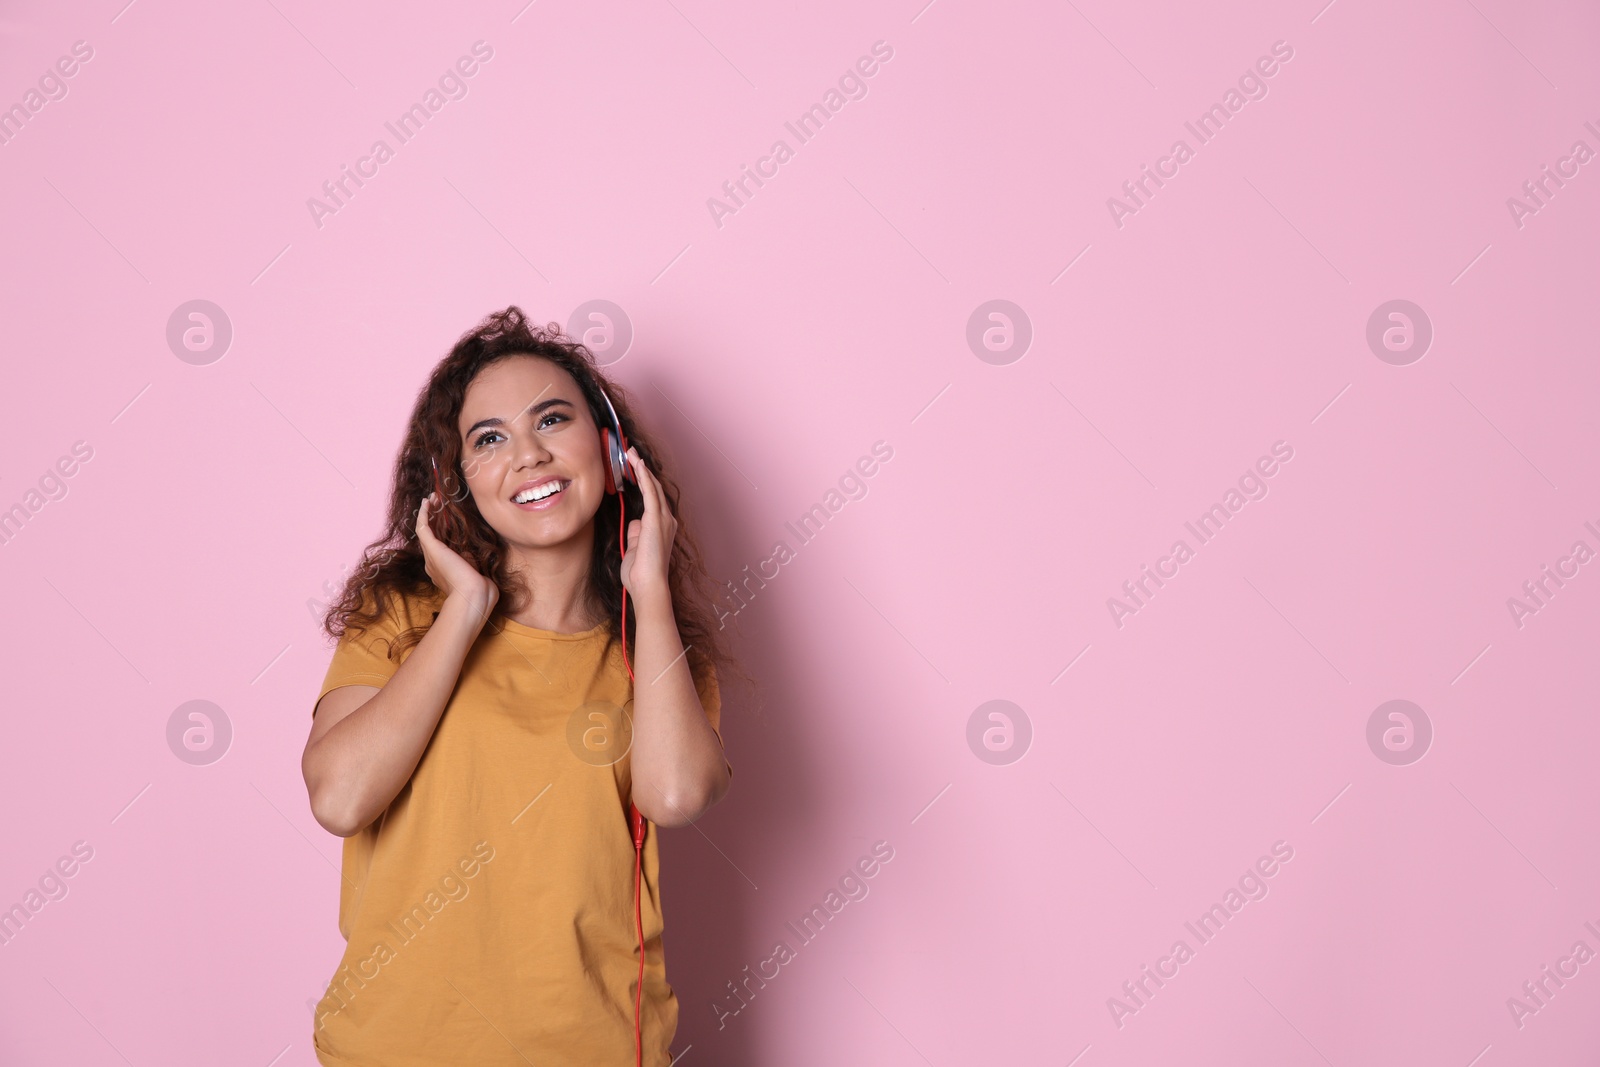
{"x":633,"y":811}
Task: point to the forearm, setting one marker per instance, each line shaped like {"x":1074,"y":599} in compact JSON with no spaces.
{"x":677,"y":762}
{"x":360,"y":765}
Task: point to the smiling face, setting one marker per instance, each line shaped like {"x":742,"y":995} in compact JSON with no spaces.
{"x":530,"y":453}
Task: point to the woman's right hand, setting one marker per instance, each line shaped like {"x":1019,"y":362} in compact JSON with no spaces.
{"x":450,"y":573}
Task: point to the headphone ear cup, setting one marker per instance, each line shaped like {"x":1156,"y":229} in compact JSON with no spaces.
{"x":609,"y":447}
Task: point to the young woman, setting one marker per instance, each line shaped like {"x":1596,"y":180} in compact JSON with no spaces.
{"x":478,"y":741}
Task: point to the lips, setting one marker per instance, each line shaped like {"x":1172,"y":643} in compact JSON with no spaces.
{"x":547,"y":499}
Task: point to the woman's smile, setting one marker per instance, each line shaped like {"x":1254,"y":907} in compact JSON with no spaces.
{"x":541,"y":493}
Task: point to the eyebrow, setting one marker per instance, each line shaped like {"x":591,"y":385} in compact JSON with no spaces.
{"x":532,"y":409}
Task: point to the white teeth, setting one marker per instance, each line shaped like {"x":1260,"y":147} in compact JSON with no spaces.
{"x":539,"y":492}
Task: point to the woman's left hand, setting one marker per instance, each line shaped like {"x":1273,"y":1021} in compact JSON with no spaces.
{"x":649,"y":545}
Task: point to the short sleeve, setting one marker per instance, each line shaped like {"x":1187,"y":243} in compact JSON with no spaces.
{"x":362,"y":656}
{"x":711,"y":700}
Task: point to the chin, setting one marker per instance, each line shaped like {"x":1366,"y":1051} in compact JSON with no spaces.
{"x":536,"y":535}
{"x":533,"y":531}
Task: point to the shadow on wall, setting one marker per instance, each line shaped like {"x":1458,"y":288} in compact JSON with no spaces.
{"x":712,"y":872}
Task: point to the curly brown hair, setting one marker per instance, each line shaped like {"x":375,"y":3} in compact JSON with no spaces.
{"x":393,"y":564}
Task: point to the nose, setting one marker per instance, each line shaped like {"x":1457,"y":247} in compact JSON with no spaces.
{"x":529,"y":449}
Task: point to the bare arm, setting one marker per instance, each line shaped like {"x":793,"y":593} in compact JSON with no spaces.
{"x":678,"y":767}
{"x":365,"y":742}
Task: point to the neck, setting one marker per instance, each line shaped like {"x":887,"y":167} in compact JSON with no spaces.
{"x":557,"y":578}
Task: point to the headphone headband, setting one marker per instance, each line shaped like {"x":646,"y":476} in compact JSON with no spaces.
{"x":609,"y":409}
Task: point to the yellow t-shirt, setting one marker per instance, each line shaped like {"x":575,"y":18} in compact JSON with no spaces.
{"x":489,"y":911}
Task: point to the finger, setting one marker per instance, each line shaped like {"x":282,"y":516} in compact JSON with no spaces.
{"x":642,"y":479}
{"x":664,"y":517}
{"x":641,"y":473}
{"x":648,"y":488}
{"x":424,"y":526}
{"x":662,"y":504}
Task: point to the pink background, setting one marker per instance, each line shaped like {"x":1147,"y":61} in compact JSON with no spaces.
{"x":770,"y":353}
